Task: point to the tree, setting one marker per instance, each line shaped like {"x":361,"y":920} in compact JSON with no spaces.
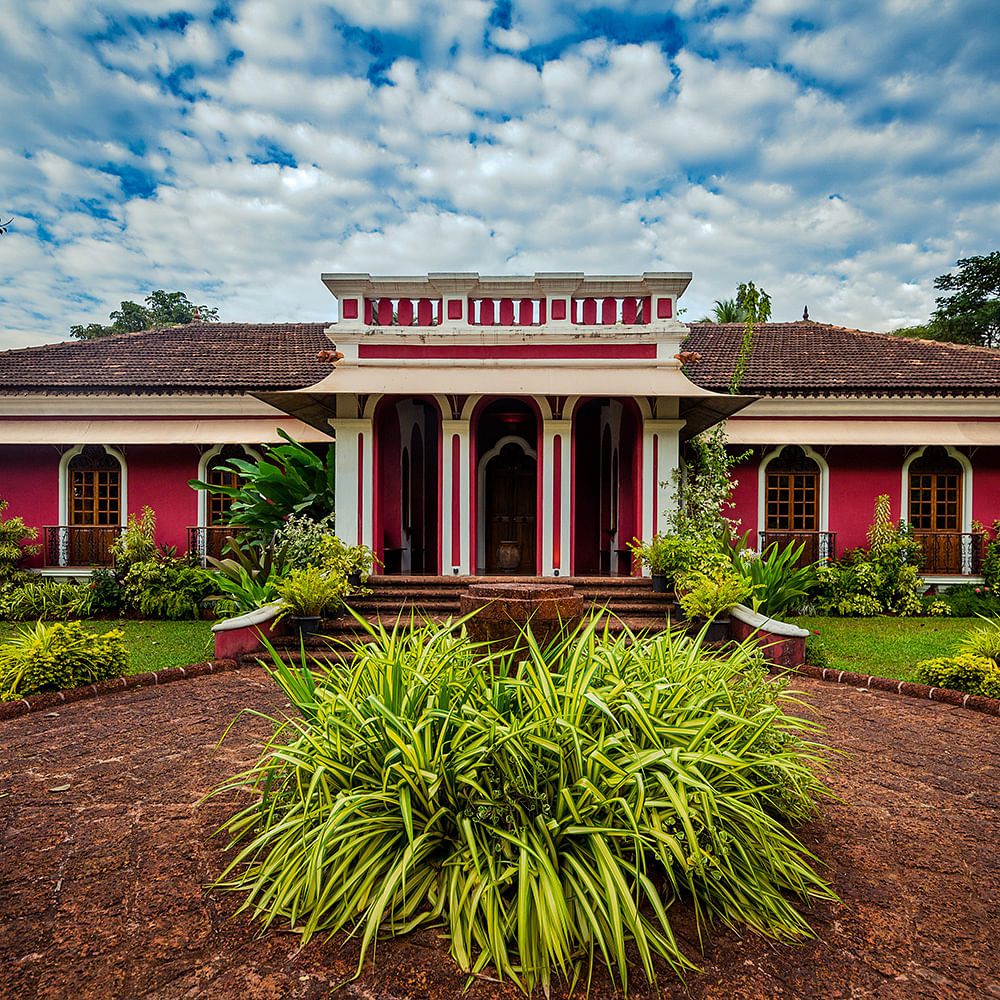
{"x":725,"y":311}
{"x":161,"y":309}
{"x":971,"y":314}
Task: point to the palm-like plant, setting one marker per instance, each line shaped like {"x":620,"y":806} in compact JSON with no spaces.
{"x":725,"y":311}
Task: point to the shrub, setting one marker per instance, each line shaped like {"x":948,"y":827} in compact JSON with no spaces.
{"x":14,"y":533}
{"x":991,"y":560}
{"x":106,"y":592}
{"x":545,"y":811}
{"x":705,"y":595}
{"x":675,"y":555}
{"x":136,"y":543}
{"x":965,"y":672}
{"x":982,"y":640}
{"x":166,"y":589}
{"x":965,"y":600}
{"x":303,"y":540}
{"x":39,"y":597}
{"x":816,"y":652}
{"x":59,"y":656}
{"x":308,"y":592}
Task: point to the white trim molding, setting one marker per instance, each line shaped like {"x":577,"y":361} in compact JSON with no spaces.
{"x":824,"y":485}
{"x":68,"y":457}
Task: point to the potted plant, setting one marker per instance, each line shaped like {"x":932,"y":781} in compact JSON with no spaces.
{"x":359,"y":560}
{"x":306,"y":593}
{"x":671,"y":556}
{"x":705,"y":597}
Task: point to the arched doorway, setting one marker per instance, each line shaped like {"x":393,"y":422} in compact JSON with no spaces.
{"x":606,"y":484}
{"x":935,"y":510}
{"x":507,"y":488}
{"x":407,"y":434}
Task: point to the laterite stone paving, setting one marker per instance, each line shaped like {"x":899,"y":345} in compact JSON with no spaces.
{"x":104,"y":859}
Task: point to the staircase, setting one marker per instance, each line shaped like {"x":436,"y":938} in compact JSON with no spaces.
{"x":630,"y":602}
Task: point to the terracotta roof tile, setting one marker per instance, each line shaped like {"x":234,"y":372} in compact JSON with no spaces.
{"x":198,"y":357}
{"x":807,"y":358}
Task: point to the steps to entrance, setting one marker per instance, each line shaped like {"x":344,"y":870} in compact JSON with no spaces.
{"x":629,"y":601}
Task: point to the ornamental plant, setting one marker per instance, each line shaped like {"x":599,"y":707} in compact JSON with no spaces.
{"x":675,"y":555}
{"x":15,"y":547}
{"x":778,"y":583}
{"x":308,"y":592}
{"x":966,"y":672}
{"x":706,"y":595}
{"x":58,"y":656}
{"x":545,"y":810}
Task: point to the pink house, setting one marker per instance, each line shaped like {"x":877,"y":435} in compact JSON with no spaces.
{"x":505,"y":424}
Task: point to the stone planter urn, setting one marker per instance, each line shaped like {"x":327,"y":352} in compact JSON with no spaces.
{"x":508,"y":556}
{"x":505,"y":608}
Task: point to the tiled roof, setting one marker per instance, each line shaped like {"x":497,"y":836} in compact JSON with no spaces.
{"x":803,"y":358}
{"x":816,"y":359}
{"x":198,"y":357}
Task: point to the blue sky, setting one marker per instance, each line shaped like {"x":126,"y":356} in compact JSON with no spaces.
{"x":840,"y":153}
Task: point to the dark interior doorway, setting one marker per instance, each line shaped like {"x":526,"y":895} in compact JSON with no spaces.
{"x":511,"y":510}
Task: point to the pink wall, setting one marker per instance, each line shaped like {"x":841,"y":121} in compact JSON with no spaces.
{"x":986,"y":485}
{"x":29,"y":482}
{"x":157,"y":478}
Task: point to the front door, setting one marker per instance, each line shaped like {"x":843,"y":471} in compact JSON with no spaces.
{"x":511,"y":511}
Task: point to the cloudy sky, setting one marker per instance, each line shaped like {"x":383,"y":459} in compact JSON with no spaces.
{"x":840,"y":153}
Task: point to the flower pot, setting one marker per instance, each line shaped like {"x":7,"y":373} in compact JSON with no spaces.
{"x":718,"y":628}
{"x":659,"y":583}
{"x":304,"y":626}
{"x":354,"y":579}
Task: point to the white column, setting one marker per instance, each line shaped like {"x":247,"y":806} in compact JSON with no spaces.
{"x":456,"y":499}
{"x":355,"y":499}
{"x":555,"y":512}
{"x":661,"y":453}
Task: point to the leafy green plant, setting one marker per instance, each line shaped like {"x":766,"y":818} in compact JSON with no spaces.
{"x":991,"y":560}
{"x":289,"y":480}
{"x":982,"y":640}
{"x":59,"y":656}
{"x":706,"y":595}
{"x":816,"y":652}
{"x":304,"y":539}
{"x":674,"y":555}
{"x":965,"y":672}
{"x":166,"y":589}
{"x":307,"y":592}
{"x":779,"y":585}
{"x":39,"y":597}
{"x":547,"y":811}
{"x":14,"y":552}
{"x":136,"y":543}
{"x":966,"y":600}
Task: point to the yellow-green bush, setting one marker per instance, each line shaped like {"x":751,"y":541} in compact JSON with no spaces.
{"x":53,"y":657}
{"x":964,"y":672}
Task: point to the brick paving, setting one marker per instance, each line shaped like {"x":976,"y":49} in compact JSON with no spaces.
{"x":104,"y":861}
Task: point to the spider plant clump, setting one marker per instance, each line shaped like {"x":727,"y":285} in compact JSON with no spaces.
{"x":546,"y":808}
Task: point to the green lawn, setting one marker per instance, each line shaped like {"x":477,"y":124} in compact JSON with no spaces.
{"x":152,"y":645}
{"x":885,"y":647}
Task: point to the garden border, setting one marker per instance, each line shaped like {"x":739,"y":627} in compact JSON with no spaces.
{"x":50,"y":699}
{"x":976,"y":702}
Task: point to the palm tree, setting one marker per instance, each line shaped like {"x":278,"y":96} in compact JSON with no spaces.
{"x":725,"y":311}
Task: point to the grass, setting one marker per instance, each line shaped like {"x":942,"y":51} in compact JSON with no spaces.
{"x":885,"y":647}
{"x":152,"y":645}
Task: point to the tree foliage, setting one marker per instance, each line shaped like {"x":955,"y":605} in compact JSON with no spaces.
{"x":725,"y":311}
{"x":161,"y":309}
{"x":971,"y":314}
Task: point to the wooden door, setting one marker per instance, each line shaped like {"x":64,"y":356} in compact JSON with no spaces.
{"x":511,"y":508}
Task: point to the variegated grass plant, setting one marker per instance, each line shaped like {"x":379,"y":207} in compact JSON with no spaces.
{"x":544,"y":811}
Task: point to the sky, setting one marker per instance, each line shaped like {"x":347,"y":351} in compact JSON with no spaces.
{"x":838,"y":153}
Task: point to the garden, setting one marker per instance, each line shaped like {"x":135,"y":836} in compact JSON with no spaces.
{"x":595,"y":809}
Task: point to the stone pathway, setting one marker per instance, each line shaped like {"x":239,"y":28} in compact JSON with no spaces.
{"x":104,"y":859}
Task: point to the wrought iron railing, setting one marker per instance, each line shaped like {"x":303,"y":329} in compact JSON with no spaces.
{"x":950,"y":553}
{"x":211,"y":541}
{"x":818,"y":546}
{"x":80,"y":544}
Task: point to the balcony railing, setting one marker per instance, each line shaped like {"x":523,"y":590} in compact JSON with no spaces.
{"x":79,"y":545}
{"x":212,"y":541}
{"x":819,"y":546}
{"x":950,"y":553}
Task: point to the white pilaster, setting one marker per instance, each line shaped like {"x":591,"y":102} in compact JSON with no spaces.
{"x":556,"y":497}
{"x":355,"y":499}
{"x":660,"y":457}
{"x":456,"y":499}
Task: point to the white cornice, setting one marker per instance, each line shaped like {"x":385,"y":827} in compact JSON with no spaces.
{"x":166,"y":404}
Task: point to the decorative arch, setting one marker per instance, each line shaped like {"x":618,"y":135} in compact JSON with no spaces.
{"x":64,"y":463}
{"x":823,"y":501}
{"x":966,"y":466}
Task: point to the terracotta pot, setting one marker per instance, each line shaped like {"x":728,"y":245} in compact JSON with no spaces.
{"x":508,"y":555}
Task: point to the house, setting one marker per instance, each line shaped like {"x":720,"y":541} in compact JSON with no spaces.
{"x":505,"y":424}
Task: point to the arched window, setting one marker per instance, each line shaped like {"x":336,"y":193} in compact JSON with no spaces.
{"x":219,"y":474}
{"x":95,"y":488}
{"x":792,"y":492}
{"x":935,"y":492}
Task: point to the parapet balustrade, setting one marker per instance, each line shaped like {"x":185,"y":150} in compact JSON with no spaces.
{"x":607,"y":311}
